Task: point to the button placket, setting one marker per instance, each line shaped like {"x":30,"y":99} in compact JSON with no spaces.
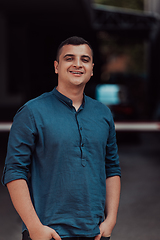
{"x":82,"y":145}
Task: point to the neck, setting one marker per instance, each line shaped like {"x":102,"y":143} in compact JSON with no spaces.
{"x":75,"y":94}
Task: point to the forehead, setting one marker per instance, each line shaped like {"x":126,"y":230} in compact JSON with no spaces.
{"x":77,"y":50}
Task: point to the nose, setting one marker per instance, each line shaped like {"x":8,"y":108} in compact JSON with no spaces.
{"x":77,"y":63}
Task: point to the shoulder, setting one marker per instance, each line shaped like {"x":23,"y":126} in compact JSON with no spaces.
{"x":36,"y":104}
{"x":97,"y":106}
{"x":42,"y":99}
{"x":39,"y":101}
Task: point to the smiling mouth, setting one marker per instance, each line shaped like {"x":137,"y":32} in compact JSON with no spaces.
{"x":76,"y":73}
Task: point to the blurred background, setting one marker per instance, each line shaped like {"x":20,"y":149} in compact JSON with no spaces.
{"x":125,"y":36}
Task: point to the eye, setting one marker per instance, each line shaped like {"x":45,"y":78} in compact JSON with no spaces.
{"x":69,"y":58}
{"x":85,"y":60}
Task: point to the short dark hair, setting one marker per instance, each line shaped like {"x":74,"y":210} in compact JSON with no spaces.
{"x":72,"y":41}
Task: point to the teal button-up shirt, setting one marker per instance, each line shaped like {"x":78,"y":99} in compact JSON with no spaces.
{"x":65,"y":156}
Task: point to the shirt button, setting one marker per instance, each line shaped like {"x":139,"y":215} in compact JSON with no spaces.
{"x":81,"y":128}
{"x":82,"y":144}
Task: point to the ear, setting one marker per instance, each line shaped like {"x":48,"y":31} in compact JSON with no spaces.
{"x":56,"y":66}
{"x":92,"y":69}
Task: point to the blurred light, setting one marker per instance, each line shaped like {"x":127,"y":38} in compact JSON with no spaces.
{"x":108,"y":94}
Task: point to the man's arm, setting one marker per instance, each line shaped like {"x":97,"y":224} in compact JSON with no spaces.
{"x":21,"y":200}
{"x":111,"y":208}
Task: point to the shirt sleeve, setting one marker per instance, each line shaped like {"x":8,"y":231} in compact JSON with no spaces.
{"x":112,"y":159}
{"x":21,"y":144}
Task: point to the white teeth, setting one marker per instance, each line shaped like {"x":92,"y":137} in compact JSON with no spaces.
{"x":76,"y":72}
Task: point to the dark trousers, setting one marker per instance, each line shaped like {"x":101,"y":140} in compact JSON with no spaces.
{"x":26,"y":237}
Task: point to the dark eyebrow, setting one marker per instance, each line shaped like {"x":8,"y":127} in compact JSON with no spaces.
{"x":68,"y":55}
{"x":72,"y":55}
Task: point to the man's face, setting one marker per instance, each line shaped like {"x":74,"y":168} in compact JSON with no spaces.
{"x":75,"y":66}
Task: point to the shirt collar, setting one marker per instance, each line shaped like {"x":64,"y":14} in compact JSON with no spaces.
{"x":67,"y":100}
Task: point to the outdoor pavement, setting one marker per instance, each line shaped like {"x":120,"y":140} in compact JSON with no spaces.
{"x":139,"y":211}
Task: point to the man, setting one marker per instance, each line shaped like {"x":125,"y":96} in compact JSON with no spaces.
{"x":66,"y":142}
